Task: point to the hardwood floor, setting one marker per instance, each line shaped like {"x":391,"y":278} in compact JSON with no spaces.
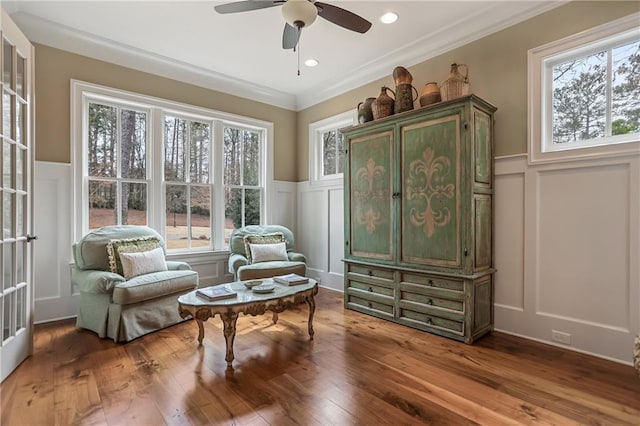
{"x":358,"y":370}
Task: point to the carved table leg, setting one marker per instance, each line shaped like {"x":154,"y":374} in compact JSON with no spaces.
{"x":275,"y":317}
{"x":200,"y":330}
{"x":229,"y":319}
{"x":312,"y":308}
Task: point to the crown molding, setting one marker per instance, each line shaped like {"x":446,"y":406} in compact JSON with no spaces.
{"x":59,"y":36}
{"x":456,"y":34}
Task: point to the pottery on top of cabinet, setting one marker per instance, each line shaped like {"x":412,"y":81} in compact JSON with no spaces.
{"x":457,"y":84}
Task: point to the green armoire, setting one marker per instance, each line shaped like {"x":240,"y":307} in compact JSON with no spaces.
{"x":418,"y":218}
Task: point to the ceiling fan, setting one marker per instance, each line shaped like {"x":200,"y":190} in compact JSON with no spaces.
{"x":299,"y":14}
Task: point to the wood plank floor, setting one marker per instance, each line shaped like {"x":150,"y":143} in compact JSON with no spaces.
{"x":358,"y":370}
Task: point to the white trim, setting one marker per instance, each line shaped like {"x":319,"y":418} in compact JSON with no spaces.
{"x":539,"y":96}
{"x":337,"y":121}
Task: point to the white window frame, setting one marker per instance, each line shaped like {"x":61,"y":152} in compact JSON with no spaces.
{"x":540,"y":65}
{"x":316,"y":157}
{"x":82,"y":93}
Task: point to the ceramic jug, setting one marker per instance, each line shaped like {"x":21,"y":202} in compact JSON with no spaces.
{"x":383,"y":105}
{"x":365,"y":113}
{"x":430,"y":94}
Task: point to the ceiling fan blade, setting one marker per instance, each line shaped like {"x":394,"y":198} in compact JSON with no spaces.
{"x":290,"y":36}
{"x":245,"y":6}
{"x":342,"y":17}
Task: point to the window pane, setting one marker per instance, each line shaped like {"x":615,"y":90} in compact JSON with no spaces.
{"x":102,"y":204}
{"x":133,"y":145}
{"x":102,"y":139}
{"x":252,"y":207}
{"x":7,"y":209}
{"x":20,"y":87}
{"x":175,"y":131}
{"x":8,"y":56}
{"x":7,"y":156}
{"x":329,"y":153}
{"x":134,"y":203}
{"x":7,"y":265}
{"x":251,"y":158}
{"x":625,"y":115}
{"x":339,"y":151}
{"x":579,"y":99}
{"x":7,"y":317}
{"x":7,"y":114}
{"x":20,"y":247}
{"x":20,"y":311}
{"x":176,"y":219}
{"x":233,"y":208}
{"x":21,"y":165}
{"x":199,"y":152}
{"x":200,"y":216}
{"x":20,"y":208}
{"x":232,"y":155}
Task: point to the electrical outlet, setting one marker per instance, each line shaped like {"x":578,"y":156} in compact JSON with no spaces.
{"x":560,"y":337}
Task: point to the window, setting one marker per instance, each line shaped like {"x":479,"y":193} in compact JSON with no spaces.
{"x":326,"y":148}
{"x":585,"y":93}
{"x":192,"y":174}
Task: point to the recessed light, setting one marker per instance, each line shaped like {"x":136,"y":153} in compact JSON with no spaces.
{"x":389,"y":18}
{"x":311,"y":62}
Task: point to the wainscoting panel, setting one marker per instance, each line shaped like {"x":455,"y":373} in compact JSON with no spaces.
{"x":53,"y":296}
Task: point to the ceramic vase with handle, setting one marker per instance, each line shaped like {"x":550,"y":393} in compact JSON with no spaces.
{"x":365,"y":113}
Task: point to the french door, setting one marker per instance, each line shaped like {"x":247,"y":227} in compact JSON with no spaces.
{"x":16,"y":134}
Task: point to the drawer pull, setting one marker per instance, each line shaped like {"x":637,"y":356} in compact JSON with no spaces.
{"x":430,"y":302}
{"x":430,"y":282}
{"x":369,"y":305}
{"x":370,"y":272}
{"x":370,"y":290}
{"x":429,"y":321}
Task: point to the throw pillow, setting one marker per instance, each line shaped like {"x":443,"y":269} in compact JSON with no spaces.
{"x":128,"y":245}
{"x":276,"y":237}
{"x":268,"y":252}
{"x":146,"y":262}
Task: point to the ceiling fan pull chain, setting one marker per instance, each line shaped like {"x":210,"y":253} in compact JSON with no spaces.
{"x":298,"y":47}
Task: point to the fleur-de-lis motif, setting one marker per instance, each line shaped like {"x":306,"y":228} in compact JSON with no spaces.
{"x":370,"y":171}
{"x":434,"y":170}
{"x":371,"y":219}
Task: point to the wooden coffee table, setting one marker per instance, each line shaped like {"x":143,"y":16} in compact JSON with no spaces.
{"x":247,"y":302}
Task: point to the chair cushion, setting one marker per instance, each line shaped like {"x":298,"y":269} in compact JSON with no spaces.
{"x":116,"y":247}
{"x":236,"y":239}
{"x":134,"y":264}
{"x":156,"y":284}
{"x":276,"y":237}
{"x":270,"y":269}
{"x":268,"y":252}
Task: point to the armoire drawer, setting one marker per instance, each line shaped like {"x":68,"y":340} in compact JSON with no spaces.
{"x":433,"y":282}
{"x":370,"y":302}
{"x":368,"y":271}
{"x":428,"y":299}
{"x":423,"y":320}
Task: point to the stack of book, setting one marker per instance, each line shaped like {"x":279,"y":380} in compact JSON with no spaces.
{"x":291,"y":279}
{"x":216,"y":293}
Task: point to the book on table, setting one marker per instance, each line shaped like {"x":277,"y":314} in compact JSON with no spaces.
{"x":216,"y":293}
{"x":291,"y":279}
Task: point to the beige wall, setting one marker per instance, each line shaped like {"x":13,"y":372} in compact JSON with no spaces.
{"x":497,"y":72}
{"x":55,"y":68}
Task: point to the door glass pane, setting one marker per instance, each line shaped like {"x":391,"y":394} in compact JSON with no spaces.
{"x":134,"y":136}
{"x":21,"y":114}
{"x":7,"y":210}
{"x":6,"y":331}
{"x":232,"y":148}
{"x":251,"y":158}
{"x":176,"y":219}
{"x":7,"y":155}
{"x":7,"y":114}
{"x":21,"y":165}
{"x":252,"y":207}
{"x":102,"y":140}
{"x":20,"y":81}
{"x":21,"y":247}
{"x":8,"y":58}
{"x":20,"y":309}
{"x":232,"y":208}
{"x":134,"y":203}
{"x":102,"y":204}
{"x":201,"y":216}
{"x":20,"y":209}
{"x":175,"y":131}
{"x":7,"y":265}
{"x":199,"y":152}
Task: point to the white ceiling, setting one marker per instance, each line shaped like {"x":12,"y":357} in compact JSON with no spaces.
{"x":242,"y":53}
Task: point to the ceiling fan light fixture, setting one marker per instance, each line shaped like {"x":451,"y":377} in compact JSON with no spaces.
{"x":299,"y":13}
{"x":311,"y":62}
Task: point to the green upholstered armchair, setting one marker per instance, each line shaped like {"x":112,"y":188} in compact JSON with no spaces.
{"x":127,"y":288}
{"x":245,"y":267}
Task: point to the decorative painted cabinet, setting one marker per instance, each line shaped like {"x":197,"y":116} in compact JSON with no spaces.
{"x":418,"y":218}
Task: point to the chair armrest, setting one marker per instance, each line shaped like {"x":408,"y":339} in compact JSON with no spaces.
{"x":235,"y":261}
{"x":174,"y":265}
{"x":95,"y":281}
{"x":296,"y":257}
